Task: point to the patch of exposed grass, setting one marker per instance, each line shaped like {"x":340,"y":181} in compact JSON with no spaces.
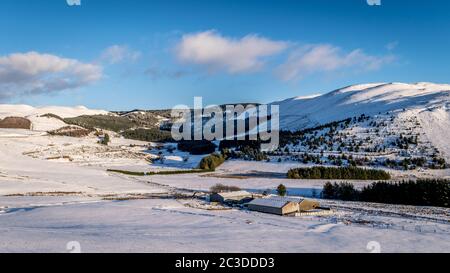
{"x":50,"y":115}
{"x":107,"y":122}
{"x":70,"y":131}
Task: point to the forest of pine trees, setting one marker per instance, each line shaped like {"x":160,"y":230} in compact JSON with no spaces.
{"x":353,"y":173}
{"x":424,"y":192}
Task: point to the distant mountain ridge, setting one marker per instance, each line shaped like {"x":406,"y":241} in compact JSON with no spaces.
{"x":424,"y":106}
{"x":40,"y":118}
{"x":369,"y":99}
{"x":22,"y":110}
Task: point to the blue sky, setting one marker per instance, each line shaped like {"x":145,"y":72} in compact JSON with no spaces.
{"x":120,"y":55}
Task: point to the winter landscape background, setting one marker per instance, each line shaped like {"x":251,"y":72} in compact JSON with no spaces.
{"x":56,"y":188}
{"x":88,"y":162}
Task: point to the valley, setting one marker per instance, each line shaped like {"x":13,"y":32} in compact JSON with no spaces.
{"x":56,"y":183}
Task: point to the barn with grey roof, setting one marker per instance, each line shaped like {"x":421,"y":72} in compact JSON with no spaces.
{"x":282,"y":205}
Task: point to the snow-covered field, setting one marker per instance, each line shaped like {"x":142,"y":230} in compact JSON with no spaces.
{"x":47,"y":203}
{"x":157,"y":225}
{"x":21,"y":173}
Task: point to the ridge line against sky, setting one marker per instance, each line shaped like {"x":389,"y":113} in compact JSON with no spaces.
{"x":157,"y":54}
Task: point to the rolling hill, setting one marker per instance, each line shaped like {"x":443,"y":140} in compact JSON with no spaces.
{"x":391,"y":111}
{"x":369,"y":99}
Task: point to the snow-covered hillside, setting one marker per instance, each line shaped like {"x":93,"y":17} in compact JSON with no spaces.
{"x":64,"y":112}
{"x":369,"y":99}
{"x":421,"y":107}
{"x":46,"y":123}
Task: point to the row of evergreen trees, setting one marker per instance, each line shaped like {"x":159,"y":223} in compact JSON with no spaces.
{"x":149,"y":134}
{"x":343,"y":173}
{"x":112,"y":123}
{"x":309,"y":136}
{"x":197,"y":147}
{"x":425,"y":192}
{"x":243,"y":149}
{"x":245,"y":153}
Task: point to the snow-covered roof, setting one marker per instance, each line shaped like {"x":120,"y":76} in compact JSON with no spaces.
{"x":275,"y":201}
{"x":234,"y":194}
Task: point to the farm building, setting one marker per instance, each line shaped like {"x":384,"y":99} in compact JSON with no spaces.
{"x":231,"y":197}
{"x":282,"y":205}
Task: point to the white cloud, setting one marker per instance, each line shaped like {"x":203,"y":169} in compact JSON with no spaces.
{"x":35,"y":73}
{"x":216,"y":52}
{"x":392,"y":45}
{"x":326,"y":58}
{"x":119,"y":53}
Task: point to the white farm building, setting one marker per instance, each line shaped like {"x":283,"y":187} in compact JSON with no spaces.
{"x":282,"y":205}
